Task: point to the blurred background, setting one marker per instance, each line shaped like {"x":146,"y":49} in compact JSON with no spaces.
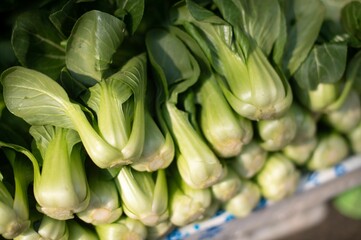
{"x":334,"y":225}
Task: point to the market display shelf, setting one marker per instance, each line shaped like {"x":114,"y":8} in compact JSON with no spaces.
{"x":307,"y":203}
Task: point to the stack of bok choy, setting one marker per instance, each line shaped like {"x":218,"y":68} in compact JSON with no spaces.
{"x":126,"y":119}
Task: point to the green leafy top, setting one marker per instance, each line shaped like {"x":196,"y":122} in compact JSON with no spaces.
{"x":95,"y":38}
{"x":175,"y":66}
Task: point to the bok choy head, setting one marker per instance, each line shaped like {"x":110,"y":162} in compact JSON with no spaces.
{"x":104,"y":204}
{"x":251,"y":85}
{"x":250,"y":161}
{"x":245,"y":200}
{"x":228,"y":186}
{"x":186,"y":204}
{"x":278,"y":178}
{"x":14,"y":203}
{"x":332,"y":147}
{"x":337,"y":75}
{"x":115,"y":93}
{"x":144,"y":195}
{"x":177,"y":70}
{"x":124,"y":228}
{"x":226,"y":131}
{"x":159,"y":149}
{"x":45,"y":227}
{"x":119,"y":105}
{"x":39,"y":100}
{"x":78,"y":231}
{"x":61,"y":189}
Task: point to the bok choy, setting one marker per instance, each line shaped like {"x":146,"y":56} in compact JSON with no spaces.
{"x":14,"y":207}
{"x":39,"y":100}
{"x":251,"y":85}
{"x":197,"y":163}
{"x":60,"y":187}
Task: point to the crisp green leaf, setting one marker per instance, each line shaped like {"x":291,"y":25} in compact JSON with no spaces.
{"x":332,"y":29}
{"x":261,"y":20}
{"x":201,"y":14}
{"x":37,"y":43}
{"x":46,"y":102}
{"x":65,"y":18}
{"x":95,"y":38}
{"x":175,"y":66}
{"x":194,"y":47}
{"x":351,"y":21}
{"x":325,"y":64}
{"x":304,"y":19}
{"x":134,"y":13}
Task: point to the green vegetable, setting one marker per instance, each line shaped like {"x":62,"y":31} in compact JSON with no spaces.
{"x":300,"y":152}
{"x":44,"y":102}
{"x":37,"y":43}
{"x":197,"y":163}
{"x":119,"y":105}
{"x":80,"y":232}
{"x":158,"y":151}
{"x":254,"y":94}
{"x":278,"y":178}
{"x":331,"y":91}
{"x":127,"y":119}
{"x":244,"y":201}
{"x":228,"y":186}
{"x":53,"y":229}
{"x":277,"y":133}
{"x":306,"y":124}
{"x":61,"y":187}
{"x":354,"y":139}
{"x":331,"y":148}
{"x":124,"y":228}
{"x":144,"y":195}
{"x":159,"y":230}
{"x":261,"y":21}
{"x":95,"y":38}
{"x":186,"y":204}
{"x":226,"y":132}
{"x":325,"y":63}
{"x":303,"y":24}
{"x":28,"y":234}
{"x":46,"y":228}
{"x":250,"y":160}
{"x":104,"y":204}
{"x":350,"y":20}
{"x":346,"y":118}
{"x":320,"y":98}
{"x":14,"y":206}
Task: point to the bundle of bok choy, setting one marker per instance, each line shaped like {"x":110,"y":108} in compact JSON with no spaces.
{"x":127,"y":119}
